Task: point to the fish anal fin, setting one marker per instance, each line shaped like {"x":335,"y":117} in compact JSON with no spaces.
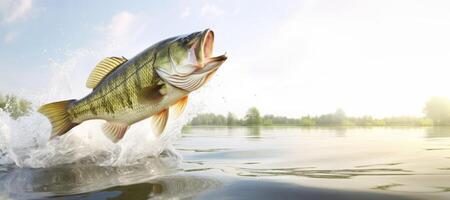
{"x":159,"y":121}
{"x":102,"y":69}
{"x":58,"y":116}
{"x":179,"y":106}
{"x":115,"y":130}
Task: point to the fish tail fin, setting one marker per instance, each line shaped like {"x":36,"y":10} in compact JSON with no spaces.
{"x":58,"y":116}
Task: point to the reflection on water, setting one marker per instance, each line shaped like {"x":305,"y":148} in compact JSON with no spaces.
{"x":78,"y":177}
{"x":254,"y":131}
{"x":139,"y":191}
{"x":329,"y":174}
{"x":251,"y":189}
{"x":260,"y":163}
{"x":438,"y":132}
{"x":387,"y":187}
{"x":340,"y":131}
{"x":173,"y":187}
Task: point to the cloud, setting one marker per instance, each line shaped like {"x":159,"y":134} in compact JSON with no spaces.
{"x":209,"y":10}
{"x":14,"y":10}
{"x":121,"y":24}
{"x":10,"y":37}
{"x":122,"y":32}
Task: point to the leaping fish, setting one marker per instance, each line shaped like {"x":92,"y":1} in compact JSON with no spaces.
{"x":127,"y":91}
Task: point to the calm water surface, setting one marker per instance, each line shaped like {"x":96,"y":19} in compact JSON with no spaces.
{"x":260,"y":163}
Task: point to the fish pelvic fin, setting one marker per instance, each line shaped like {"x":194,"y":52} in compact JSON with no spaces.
{"x":115,"y":130}
{"x":179,"y":106}
{"x":58,"y":116}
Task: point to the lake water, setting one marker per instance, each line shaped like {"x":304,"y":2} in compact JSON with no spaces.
{"x":259,"y":163}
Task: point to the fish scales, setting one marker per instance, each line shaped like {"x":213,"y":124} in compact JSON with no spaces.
{"x":122,"y":85}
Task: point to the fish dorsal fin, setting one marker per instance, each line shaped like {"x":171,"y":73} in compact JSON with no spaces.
{"x":103,"y":68}
{"x":115,"y":131}
{"x":159,"y":121}
{"x":179,"y":106}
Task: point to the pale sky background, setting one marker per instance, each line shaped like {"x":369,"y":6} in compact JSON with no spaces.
{"x":380,"y":57}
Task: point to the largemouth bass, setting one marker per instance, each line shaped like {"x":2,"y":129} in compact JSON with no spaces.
{"x":127,"y":91}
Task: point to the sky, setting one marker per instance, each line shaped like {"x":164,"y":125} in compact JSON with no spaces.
{"x":292,"y":58}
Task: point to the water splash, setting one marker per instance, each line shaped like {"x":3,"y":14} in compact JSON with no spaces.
{"x":24,"y":143}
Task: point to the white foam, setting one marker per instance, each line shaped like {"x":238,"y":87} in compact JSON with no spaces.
{"x":24,"y":142}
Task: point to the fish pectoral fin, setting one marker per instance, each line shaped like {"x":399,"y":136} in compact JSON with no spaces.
{"x":102,"y":69}
{"x":152,"y":94}
{"x":159,"y":121}
{"x":179,"y":106}
{"x":115,"y":130}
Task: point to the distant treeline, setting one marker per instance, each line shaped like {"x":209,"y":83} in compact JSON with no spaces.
{"x":436,"y":110}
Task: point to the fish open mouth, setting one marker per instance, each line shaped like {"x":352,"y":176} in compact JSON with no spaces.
{"x":196,"y":75}
{"x":205,"y":48}
{"x":207,"y":43}
{"x":208,"y":64}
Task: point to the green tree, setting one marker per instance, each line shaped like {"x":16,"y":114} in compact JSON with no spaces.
{"x":209,"y":119}
{"x":15,"y":106}
{"x":267,"y":121}
{"x":220,"y":120}
{"x":231,"y":119}
{"x":438,"y":110}
{"x":340,"y":117}
{"x":307,"y":121}
{"x":252,"y":118}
